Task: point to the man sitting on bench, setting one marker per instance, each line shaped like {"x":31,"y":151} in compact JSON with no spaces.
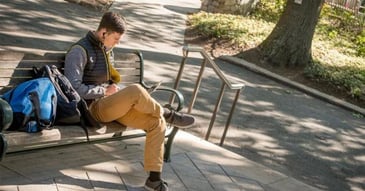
{"x":88,"y":67}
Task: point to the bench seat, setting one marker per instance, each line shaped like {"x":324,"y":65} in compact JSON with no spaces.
{"x":60,"y":135}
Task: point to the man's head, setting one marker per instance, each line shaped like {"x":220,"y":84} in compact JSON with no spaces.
{"x":111,"y":28}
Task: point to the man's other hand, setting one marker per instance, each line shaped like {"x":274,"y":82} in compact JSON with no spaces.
{"x":111,"y":89}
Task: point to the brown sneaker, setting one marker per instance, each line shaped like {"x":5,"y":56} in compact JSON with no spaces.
{"x":159,"y":185}
{"x":178,"y":119}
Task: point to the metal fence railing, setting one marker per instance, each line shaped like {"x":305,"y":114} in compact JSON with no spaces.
{"x":355,"y":6}
{"x":226,"y":83}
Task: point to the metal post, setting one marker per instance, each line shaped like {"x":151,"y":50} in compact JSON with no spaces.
{"x":179,"y":74}
{"x":230,"y":117}
{"x":168,"y":144}
{"x":197,"y":85}
{"x":3,"y":146}
{"x":215,"y":111}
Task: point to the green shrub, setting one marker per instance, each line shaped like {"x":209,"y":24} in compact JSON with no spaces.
{"x":360,"y":44}
{"x":339,"y":21}
{"x":269,"y":10}
{"x":347,"y":77}
{"x":238,"y":29}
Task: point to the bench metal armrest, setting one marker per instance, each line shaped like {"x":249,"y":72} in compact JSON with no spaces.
{"x":178,"y":95}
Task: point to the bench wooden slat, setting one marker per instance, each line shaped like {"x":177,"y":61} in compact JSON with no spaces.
{"x":29,"y":64}
{"x":10,"y":82}
{"x":6,"y":83}
{"x":11,"y":73}
{"x":27,"y":72}
{"x":26,"y":64}
{"x":61,"y":134}
{"x":17,"y":56}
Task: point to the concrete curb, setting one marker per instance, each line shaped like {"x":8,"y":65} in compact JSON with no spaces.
{"x":311,"y":91}
{"x":101,"y":5}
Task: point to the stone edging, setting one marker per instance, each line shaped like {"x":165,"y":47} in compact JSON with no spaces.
{"x":311,"y":91}
{"x":101,"y":5}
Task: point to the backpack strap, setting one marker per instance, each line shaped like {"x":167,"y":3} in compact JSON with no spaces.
{"x":83,"y":126}
{"x":33,"y":96}
{"x":86,"y":119}
{"x":35,"y":100}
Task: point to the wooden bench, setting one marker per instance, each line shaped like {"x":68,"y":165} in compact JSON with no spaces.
{"x":16,"y":67}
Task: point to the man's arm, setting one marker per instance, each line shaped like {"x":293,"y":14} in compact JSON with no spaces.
{"x":75,"y":62}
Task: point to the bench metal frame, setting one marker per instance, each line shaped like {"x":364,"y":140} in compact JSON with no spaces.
{"x":16,"y":67}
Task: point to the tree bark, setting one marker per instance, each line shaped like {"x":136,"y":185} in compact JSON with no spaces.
{"x":289,"y":44}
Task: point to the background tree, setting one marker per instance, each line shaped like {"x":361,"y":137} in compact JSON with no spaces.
{"x":241,"y":7}
{"x":289,"y":44}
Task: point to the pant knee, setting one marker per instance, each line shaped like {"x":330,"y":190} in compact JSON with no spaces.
{"x":136,"y":89}
{"x":158,"y":125}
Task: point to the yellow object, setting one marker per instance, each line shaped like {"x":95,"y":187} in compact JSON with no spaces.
{"x":114,"y":74}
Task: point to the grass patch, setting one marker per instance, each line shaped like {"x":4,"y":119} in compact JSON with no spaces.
{"x":242,"y":31}
{"x":338,"y":46}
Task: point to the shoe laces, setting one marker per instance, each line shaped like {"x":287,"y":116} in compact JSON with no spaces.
{"x":171,"y":116}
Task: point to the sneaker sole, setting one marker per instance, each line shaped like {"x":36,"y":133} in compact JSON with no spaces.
{"x":148,"y":188}
{"x":184,"y":127}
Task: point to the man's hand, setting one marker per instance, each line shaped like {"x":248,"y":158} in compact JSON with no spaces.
{"x":111,"y":89}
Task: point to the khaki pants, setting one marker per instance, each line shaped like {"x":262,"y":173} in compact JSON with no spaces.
{"x":134,"y":107}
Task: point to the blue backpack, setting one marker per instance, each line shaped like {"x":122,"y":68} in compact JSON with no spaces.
{"x":34,"y":104}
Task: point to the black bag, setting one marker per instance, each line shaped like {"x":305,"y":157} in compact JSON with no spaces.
{"x":71,"y":108}
{"x":6,"y":115}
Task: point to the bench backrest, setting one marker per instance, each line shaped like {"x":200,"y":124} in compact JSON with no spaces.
{"x":16,"y":67}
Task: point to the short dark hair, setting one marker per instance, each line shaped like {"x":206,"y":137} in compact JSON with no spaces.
{"x":113,"y":22}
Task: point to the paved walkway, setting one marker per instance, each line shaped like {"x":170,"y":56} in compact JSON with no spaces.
{"x":272,"y":123}
{"x":196,"y":165}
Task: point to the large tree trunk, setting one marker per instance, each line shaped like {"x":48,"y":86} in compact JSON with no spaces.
{"x":289,"y":44}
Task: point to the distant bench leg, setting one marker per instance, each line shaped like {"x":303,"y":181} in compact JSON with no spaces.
{"x":3,"y":146}
{"x":168,"y":145}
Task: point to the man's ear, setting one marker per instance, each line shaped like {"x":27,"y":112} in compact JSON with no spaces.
{"x":103,"y":32}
